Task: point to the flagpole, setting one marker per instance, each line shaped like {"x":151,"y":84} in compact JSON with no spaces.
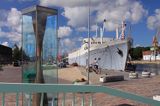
{"x":88,"y":41}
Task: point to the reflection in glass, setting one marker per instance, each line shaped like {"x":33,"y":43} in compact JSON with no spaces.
{"x":29,"y":37}
{"x":39,"y":46}
{"x":50,"y":50}
{"x":29,"y":49}
{"x":49,"y":41}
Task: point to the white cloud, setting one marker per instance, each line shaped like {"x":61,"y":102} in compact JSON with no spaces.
{"x":67,"y":3}
{"x":27,"y":24}
{"x":26,"y":0}
{"x":82,"y":29}
{"x":80,"y":39}
{"x":5,"y":43}
{"x":76,"y":11}
{"x":64,"y":31}
{"x":68,"y":44}
{"x":12,"y":21}
{"x":3,"y":17}
{"x":137,"y":45}
{"x":110,"y":25}
{"x":115,"y":12}
{"x":94,"y":27}
{"x":14,"y":37}
{"x":153,"y":22}
{"x":77,"y":16}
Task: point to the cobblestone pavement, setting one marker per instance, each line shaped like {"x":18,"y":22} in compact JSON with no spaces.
{"x":11,"y":74}
{"x":142,"y":86}
{"x":147,"y":87}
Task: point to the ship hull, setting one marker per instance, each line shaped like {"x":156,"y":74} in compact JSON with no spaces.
{"x":111,"y":57}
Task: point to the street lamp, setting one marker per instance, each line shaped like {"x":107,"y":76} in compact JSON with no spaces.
{"x":88,"y":41}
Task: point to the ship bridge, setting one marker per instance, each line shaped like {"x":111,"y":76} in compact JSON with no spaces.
{"x":97,"y":40}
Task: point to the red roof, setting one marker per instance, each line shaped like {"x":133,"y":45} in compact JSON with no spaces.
{"x":146,"y":52}
{"x":149,"y":52}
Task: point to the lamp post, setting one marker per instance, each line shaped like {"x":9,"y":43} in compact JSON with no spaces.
{"x":88,"y":41}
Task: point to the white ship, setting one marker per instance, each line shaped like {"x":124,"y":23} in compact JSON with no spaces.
{"x":111,"y":53}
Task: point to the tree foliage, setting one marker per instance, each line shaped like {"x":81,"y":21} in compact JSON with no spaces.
{"x":17,"y":54}
{"x":136,"y":53}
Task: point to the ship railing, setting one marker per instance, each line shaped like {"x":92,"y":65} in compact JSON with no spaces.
{"x":30,"y":88}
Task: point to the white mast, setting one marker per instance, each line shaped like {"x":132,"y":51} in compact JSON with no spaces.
{"x":117,"y":33}
{"x":123,"y":30}
{"x":102,"y":31}
{"x":96,"y":30}
{"x":101,"y":35}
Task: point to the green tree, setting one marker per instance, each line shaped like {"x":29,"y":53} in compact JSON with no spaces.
{"x":136,"y":53}
{"x":17,"y":54}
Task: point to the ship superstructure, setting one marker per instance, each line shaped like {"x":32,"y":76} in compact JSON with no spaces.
{"x":111,"y":53}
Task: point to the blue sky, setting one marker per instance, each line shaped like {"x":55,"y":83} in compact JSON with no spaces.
{"x":142,"y":15}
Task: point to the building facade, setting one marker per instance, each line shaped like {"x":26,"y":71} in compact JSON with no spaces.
{"x":150,"y":55}
{"x":5,"y":55}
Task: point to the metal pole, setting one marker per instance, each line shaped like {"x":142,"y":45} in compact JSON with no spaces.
{"x":88,"y":41}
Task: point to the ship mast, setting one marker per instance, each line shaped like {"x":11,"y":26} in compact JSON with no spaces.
{"x":96,"y":30}
{"x":102,"y":31}
{"x":117,"y":32}
{"x":123,"y":30}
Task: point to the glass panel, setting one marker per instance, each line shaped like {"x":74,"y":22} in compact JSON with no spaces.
{"x":28,"y":48}
{"x":50,"y":50}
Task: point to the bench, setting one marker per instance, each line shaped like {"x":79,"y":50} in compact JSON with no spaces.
{"x":111,"y":78}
